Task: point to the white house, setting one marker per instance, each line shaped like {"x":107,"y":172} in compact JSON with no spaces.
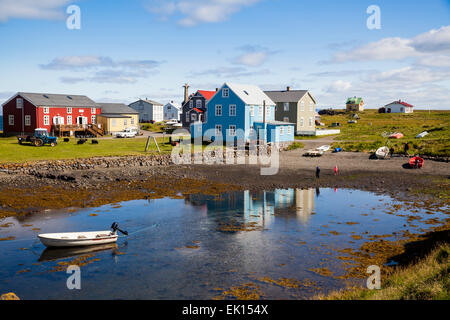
{"x":399,"y":107}
{"x":148,"y":110}
{"x":172,"y":111}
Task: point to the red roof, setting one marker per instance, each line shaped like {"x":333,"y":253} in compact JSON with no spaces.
{"x":198,"y":110}
{"x":207,"y":94}
{"x":402,"y":103}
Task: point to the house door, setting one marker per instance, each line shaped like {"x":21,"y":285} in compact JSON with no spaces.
{"x":81,"y":120}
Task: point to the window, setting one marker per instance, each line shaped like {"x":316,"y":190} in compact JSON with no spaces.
{"x":93,"y":110}
{"x":281,"y":130}
{"x":302,"y":106}
{"x":232,"y":110}
{"x":286,"y":119}
{"x":191,"y":103}
{"x":132,"y":121}
{"x":286,"y":106}
{"x":28,"y":120}
{"x":69,"y":110}
{"x":268,"y":108}
{"x":232,"y":130}
{"x":225,"y":93}
{"x":401,"y":109}
{"x":113,"y":122}
{"x":310,"y":106}
{"x":260,"y":111}
{"x":310,"y":122}
{"x":69,"y":119}
{"x":198,"y":103}
{"x":93,"y":119}
{"x":302,"y":122}
{"x":252,"y":111}
{"x":218,"y":129}
{"x":11,"y":120}
{"x":218,"y":110}
{"x":125,"y":122}
{"x":46,"y":110}
{"x":46,"y":120}
{"x":289,"y":129}
{"x":193,"y":117}
{"x":19,"y":103}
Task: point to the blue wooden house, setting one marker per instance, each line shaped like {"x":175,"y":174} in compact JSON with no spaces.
{"x":243,"y":112}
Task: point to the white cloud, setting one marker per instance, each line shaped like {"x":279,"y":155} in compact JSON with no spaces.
{"x":194,"y":12}
{"x":433,"y":40}
{"x":32,"y":9}
{"x":339,"y":86}
{"x":77,"y":62}
{"x":252,"y":56}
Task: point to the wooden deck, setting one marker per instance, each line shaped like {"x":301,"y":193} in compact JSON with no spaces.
{"x":71,"y":129}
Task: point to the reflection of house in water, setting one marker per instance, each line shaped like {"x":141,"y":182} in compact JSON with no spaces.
{"x":260,"y":206}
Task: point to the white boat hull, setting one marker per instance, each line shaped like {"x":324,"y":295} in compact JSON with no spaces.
{"x":77,"y":239}
{"x":324,"y":148}
{"x":382,"y":153}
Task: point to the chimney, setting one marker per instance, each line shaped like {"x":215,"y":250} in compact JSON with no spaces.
{"x":186,"y":92}
{"x":288,"y":88}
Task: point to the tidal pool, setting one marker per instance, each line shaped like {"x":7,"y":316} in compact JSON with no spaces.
{"x":203,"y":247}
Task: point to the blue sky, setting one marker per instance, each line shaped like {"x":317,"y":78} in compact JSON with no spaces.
{"x":127,"y":50}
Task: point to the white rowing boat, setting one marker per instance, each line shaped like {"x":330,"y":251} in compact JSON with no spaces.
{"x":80,"y":239}
{"x":382,"y":153}
{"x":313,"y":153}
{"x":324,"y":148}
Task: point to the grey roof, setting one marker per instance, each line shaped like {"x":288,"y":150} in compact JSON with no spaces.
{"x":286,"y":96}
{"x":109,"y":115}
{"x":116,"y":108}
{"x":57,"y":100}
{"x":278,"y":123}
{"x":148,"y":101}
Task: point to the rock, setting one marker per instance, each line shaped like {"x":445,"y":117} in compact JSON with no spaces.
{"x":9,"y":296}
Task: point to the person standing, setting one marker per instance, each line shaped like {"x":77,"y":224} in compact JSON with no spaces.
{"x":391,"y":151}
{"x":317,"y":172}
{"x":406,"y":149}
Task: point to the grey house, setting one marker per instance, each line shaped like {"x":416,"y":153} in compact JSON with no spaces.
{"x":295,"y":106}
{"x":149,"y":110}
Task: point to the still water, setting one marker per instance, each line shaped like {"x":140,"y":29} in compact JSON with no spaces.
{"x":190,"y":248}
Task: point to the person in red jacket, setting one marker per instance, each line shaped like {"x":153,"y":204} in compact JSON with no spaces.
{"x":336,"y":170}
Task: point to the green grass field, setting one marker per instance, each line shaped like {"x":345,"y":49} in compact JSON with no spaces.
{"x":153,"y":127}
{"x":367,"y":134}
{"x":12,"y":151}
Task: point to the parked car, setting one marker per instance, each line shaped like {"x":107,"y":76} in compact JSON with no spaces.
{"x":127,"y":133}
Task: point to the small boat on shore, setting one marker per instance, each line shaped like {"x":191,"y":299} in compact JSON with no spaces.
{"x":382,"y":153}
{"x":396,"y":135}
{"x":421,"y":135}
{"x":419,"y":160}
{"x":324,"y":148}
{"x":80,"y":239}
{"x":313,"y":153}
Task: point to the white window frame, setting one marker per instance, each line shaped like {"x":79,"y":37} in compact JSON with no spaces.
{"x":193,"y":116}
{"x":198,"y":103}
{"x":286,"y":119}
{"x":69,"y":110}
{"x":268,"y":110}
{"x":302,"y":122}
{"x":218,"y":129}
{"x":93,"y":119}
{"x":218,"y":108}
{"x":11,"y":120}
{"x":125,"y":122}
{"x":191,"y":103}
{"x":28,"y":120}
{"x":311,"y":122}
{"x":93,"y":110}
{"x":281,"y":130}
{"x":252,"y":111}
{"x":113,"y":122}
{"x":225,"y":93}
{"x":19,"y":103}
{"x":46,"y":110}
{"x":286,"y":106}
{"x":132,"y":121}
{"x":302,"y":106}
{"x":232,"y":107}
{"x":46,"y":120}
{"x":232,"y":130}
{"x":69,"y":120}
{"x":311,"y":106}
{"x":289,"y":129}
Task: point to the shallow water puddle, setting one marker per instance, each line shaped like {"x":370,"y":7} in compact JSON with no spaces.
{"x":282,"y":244}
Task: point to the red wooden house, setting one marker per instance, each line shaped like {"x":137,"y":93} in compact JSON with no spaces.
{"x":58,"y":113}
